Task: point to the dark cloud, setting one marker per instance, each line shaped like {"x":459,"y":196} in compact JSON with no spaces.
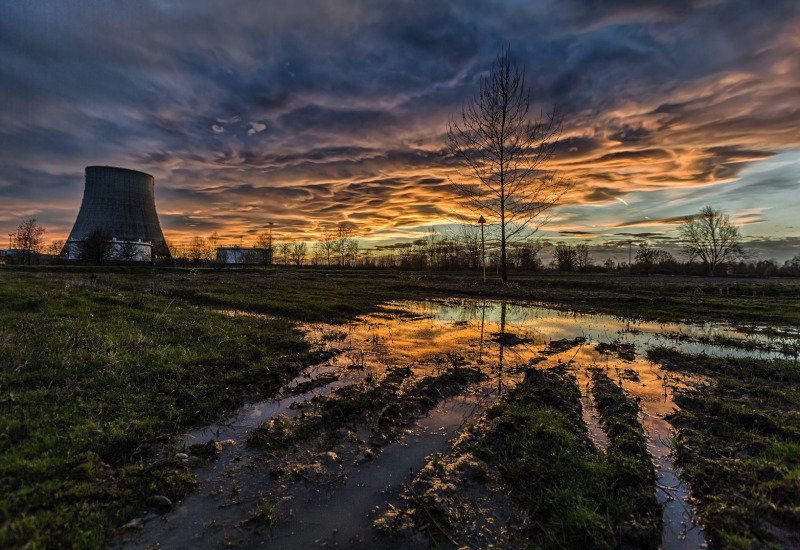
{"x":317,"y":112}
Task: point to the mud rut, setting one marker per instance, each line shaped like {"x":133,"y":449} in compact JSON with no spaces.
{"x":341,"y":457}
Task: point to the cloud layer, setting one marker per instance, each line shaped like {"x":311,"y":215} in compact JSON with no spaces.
{"x":306,"y":116}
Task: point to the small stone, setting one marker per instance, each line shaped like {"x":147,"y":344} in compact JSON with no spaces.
{"x":135,"y":523}
{"x":181,"y":456}
{"x":162,"y":502}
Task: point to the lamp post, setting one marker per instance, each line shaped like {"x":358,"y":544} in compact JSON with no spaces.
{"x":482,"y":221}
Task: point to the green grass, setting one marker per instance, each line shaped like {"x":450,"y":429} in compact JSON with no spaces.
{"x":575,"y":495}
{"x":99,"y":370}
{"x":738,"y":444}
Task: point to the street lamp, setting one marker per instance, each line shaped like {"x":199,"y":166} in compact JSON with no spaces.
{"x":482,"y":221}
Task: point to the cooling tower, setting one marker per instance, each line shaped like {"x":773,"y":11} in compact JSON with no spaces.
{"x":121,"y":202}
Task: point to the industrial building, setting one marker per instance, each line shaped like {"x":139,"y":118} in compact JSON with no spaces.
{"x":237,"y":255}
{"x":121,"y":203}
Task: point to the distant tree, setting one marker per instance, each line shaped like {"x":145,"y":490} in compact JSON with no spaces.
{"x":505,"y":151}
{"x":582,"y":257}
{"x":344,"y":244}
{"x":565,"y":257}
{"x":199,"y":251}
{"x":264,"y":245}
{"x":28,"y":238}
{"x":647,"y":257}
{"x":609,"y":264}
{"x":97,"y":247}
{"x":213,"y":241}
{"x":328,"y":245}
{"x":299,"y":252}
{"x":317,"y":254}
{"x":792,"y":267}
{"x":712,"y":238}
{"x":367,"y":259}
{"x":55,"y":247}
{"x":285,"y":250}
{"x":353,"y":246}
{"x":130,"y":252}
{"x":526,"y":255}
{"x":469,"y":238}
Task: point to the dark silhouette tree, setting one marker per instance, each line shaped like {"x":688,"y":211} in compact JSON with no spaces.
{"x":28,"y":238}
{"x":299,"y":252}
{"x":200,"y":252}
{"x":712,"y":238}
{"x":97,"y":247}
{"x":582,"y":257}
{"x":647,"y":257}
{"x":130,"y":252}
{"x":566,"y":259}
{"x":505,"y":151}
{"x":264,"y":245}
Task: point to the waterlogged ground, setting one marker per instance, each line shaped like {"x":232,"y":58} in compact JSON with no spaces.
{"x":339,"y":452}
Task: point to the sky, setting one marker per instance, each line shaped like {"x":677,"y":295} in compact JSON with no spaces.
{"x":311,"y":113}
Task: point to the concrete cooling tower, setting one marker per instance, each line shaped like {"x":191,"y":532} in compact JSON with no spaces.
{"x":121,"y":202}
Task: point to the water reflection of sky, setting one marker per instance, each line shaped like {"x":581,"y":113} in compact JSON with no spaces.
{"x":456,"y":319}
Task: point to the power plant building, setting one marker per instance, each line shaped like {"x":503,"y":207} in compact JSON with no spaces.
{"x":121,"y":203}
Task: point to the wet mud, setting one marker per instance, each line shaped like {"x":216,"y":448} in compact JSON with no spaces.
{"x":339,"y":456}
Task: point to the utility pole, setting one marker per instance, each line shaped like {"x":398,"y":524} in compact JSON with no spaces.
{"x":482,"y":221}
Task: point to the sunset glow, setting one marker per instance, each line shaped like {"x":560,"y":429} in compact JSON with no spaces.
{"x":250,"y":113}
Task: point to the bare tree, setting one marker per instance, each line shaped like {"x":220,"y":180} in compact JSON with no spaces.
{"x":28,"y":238}
{"x":528,"y":255}
{"x":317,"y":254}
{"x":565,"y":257}
{"x":213,"y":241}
{"x":264,"y":244}
{"x":299,"y":252}
{"x":285,"y":250}
{"x":506,"y":151}
{"x":582,"y":257}
{"x":470,"y":239}
{"x":55,"y":247}
{"x":649,"y":256}
{"x":328,"y":244}
{"x":97,"y":247}
{"x":129,"y":251}
{"x":199,"y":251}
{"x":711,"y":237}
{"x":345,"y":245}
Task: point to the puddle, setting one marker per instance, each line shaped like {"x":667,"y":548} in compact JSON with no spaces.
{"x":502,"y":339}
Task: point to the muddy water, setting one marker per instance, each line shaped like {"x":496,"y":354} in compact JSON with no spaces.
{"x":502,"y":339}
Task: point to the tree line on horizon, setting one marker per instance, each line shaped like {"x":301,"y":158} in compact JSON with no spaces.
{"x":454,"y":251}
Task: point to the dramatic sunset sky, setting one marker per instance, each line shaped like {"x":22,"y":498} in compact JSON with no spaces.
{"x":310,"y":113}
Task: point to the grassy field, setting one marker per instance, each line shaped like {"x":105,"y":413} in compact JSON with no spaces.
{"x":575,"y":497}
{"x":101,"y":368}
{"x":739,"y":446}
